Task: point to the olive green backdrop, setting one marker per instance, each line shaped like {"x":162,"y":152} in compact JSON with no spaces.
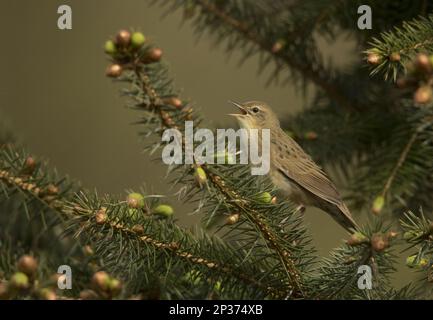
{"x":55,"y":96}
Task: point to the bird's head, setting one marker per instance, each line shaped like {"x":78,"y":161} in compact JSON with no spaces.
{"x":255,"y":115}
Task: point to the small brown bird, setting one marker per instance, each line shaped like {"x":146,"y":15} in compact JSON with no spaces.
{"x":291,"y":169}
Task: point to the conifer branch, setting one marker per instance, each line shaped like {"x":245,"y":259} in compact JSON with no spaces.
{"x":418,"y":233}
{"x":338,"y":276}
{"x":389,"y":53}
{"x":19,"y":171}
{"x":80,"y":216}
{"x":174,"y":248}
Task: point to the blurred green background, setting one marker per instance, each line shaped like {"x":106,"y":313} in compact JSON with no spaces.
{"x":55,"y":96}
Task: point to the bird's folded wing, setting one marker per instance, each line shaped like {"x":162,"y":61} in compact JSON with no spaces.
{"x":309,"y":175}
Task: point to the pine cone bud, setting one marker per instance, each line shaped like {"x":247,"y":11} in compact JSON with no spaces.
{"x":163,"y":210}
{"x":173,"y":101}
{"x":374,"y":58}
{"x":423,"y":95}
{"x":28,"y":265}
{"x":233,"y":218}
{"x":200,"y":177}
{"x":101,"y":216}
{"x":154,"y":55}
{"x":47,"y":294}
{"x":123,"y":38}
{"x":264,"y":197}
{"x":167,"y":119}
{"x":137,"y":39}
{"x":394,"y":57}
{"x":19,"y":281}
{"x":101,"y":281}
{"x":422,"y":63}
{"x":110,"y":47}
{"x":29,"y":165}
{"x":378,"y":204}
{"x":278,"y":46}
{"x":174,"y":245}
{"x":135,"y":200}
{"x":356,"y":239}
{"x":114,"y":71}
{"x":52,"y":190}
{"x":379,"y":242}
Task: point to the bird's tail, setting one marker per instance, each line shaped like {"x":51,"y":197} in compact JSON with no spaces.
{"x":341,"y":214}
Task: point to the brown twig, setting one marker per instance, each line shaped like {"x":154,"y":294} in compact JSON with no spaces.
{"x":399,"y":163}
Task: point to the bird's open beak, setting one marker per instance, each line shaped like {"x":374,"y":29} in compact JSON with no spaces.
{"x":241,"y":108}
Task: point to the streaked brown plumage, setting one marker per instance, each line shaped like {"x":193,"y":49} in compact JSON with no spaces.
{"x":292,"y":170}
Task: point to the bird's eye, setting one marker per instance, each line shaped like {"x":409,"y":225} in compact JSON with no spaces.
{"x":255,"y":109}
